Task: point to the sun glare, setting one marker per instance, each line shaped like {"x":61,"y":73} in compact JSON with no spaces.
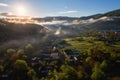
{"x":20,"y":11}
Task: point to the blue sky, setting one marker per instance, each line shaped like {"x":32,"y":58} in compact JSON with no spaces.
{"x":72,"y":8}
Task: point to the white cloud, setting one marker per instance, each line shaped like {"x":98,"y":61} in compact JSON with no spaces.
{"x":54,"y":23}
{"x":69,"y":12}
{"x":5,"y":14}
{"x":3,"y":4}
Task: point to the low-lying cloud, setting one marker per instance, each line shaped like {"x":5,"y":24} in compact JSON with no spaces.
{"x":53,"y":23}
{"x":3,"y":4}
{"x":5,"y":14}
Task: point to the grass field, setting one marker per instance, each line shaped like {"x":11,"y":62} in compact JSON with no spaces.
{"x":86,"y":43}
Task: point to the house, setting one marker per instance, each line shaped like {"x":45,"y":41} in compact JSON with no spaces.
{"x":73,"y":53}
{"x":102,"y":39}
{"x":55,"y":55}
{"x":5,"y":75}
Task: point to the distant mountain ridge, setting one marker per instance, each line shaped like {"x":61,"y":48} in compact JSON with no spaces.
{"x":45,"y":19}
{"x":95,"y":16}
{"x":107,"y":21}
{"x":113,"y":24}
{"x":114,"y":13}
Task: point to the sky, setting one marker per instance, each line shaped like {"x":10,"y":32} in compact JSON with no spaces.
{"x":43,"y":8}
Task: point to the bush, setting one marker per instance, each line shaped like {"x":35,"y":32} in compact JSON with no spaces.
{"x":21,"y":65}
{"x":11,"y":51}
{"x":1,"y":68}
{"x":97,"y":75}
{"x":104,"y":65}
{"x":31,"y":73}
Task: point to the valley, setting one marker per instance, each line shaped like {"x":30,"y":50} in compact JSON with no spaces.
{"x":61,"y":48}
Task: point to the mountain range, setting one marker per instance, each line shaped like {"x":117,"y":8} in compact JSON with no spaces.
{"x":106,"y":21}
{"x":76,"y":25}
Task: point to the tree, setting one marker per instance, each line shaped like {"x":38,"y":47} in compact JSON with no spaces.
{"x":68,"y":73}
{"x":20,"y":70}
{"x":96,"y":66}
{"x":31,"y":74}
{"x":24,"y":57}
{"x":20,"y":65}
{"x":114,"y":56}
{"x":20,"y":51}
{"x":63,"y":76}
{"x":1,"y":68}
{"x":80,"y":75}
{"x":28,"y":47}
{"x":42,"y":78}
{"x":67,"y":61}
{"x":90,"y":61}
{"x":10,"y":52}
{"x":97,"y":74}
{"x":104,"y":65}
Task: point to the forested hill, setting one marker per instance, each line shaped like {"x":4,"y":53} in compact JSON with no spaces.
{"x":106,"y":21}
{"x":14,"y":31}
{"x":113,"y":24}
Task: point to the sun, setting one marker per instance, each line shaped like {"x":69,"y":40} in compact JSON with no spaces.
{"x":20,"y":10}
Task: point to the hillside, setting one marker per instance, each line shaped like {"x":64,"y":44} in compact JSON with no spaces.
{"x":113,"y":24}
{"x":114,"y":13}
{"x":106,"y":21}
{"x":15,"y":31}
